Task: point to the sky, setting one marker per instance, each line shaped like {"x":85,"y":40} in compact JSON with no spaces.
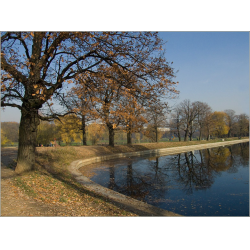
{"x":211,"y":67}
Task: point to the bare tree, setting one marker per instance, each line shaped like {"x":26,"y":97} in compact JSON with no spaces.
{"x":188,"y":113}
{"x":156,"y":116}
{"x":242,"y":125}
{"x":203,"y":110}
{"x":176,"y":122}
{"x":231,"y":121}
{"x":190,"y":118}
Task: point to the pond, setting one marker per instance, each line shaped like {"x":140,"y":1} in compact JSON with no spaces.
{"x":208,"y":182}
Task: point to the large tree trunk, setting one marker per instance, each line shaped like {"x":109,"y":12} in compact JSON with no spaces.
{"x":129,"y":134}
{"x":208,"y":134}
{"x":84,"y":137}
{"x":27,"y":141}
{"x":179,"y":134}
{"x":111,"y":135}
{"x":200,"y":134}
{"x":178,"y":131}
{"x":156,"y":133}
{"x":191,"y":137}
{"x":129,"y":137}
{"x":186,"y":135}
{"x":191,"y":133}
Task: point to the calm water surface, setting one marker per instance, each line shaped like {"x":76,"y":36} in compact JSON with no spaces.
{"x":209,"y":182}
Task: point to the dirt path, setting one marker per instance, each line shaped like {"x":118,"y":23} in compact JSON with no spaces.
{"x":14,"y":202}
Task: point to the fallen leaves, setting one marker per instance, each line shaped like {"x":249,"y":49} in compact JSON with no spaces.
{"x":53,"y":191}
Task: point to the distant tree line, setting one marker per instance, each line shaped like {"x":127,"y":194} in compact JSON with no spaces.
{"x":188,"y":121}
{"x":9,"y":132}
{"x":190,"y":118}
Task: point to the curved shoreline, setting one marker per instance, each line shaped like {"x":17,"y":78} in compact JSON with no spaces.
{"x":127,"y":202}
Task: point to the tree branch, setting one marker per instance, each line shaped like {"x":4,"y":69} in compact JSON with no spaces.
{"x":3,"y":104}
{"x":5,"y":37}
{"x":14,"y":90}
{"x":81,"y":58}
{"x":18,"y":36}
{"x":10,"y":69}
{"x":67,"y":77}
{"x":24,"y":45}
{"x":10,"y":96}
{"x":52,"y":48}
{"x":54,"y":116}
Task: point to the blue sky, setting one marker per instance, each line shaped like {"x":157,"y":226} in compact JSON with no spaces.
{"x":213,"y":67}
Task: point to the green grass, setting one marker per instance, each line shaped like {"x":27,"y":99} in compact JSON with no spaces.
{"x":12,"y":144}
{"x":21,"y":184}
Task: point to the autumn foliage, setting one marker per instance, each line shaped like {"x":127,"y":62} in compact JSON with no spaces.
{"x":36,"y":67}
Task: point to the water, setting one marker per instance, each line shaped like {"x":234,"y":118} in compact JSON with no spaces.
{"x":209,"y":182}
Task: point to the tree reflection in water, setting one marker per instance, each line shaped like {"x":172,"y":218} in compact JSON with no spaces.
{"x":152,"y":179}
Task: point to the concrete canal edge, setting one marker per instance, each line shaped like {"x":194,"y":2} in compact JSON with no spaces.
{"x":124,"y":201}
